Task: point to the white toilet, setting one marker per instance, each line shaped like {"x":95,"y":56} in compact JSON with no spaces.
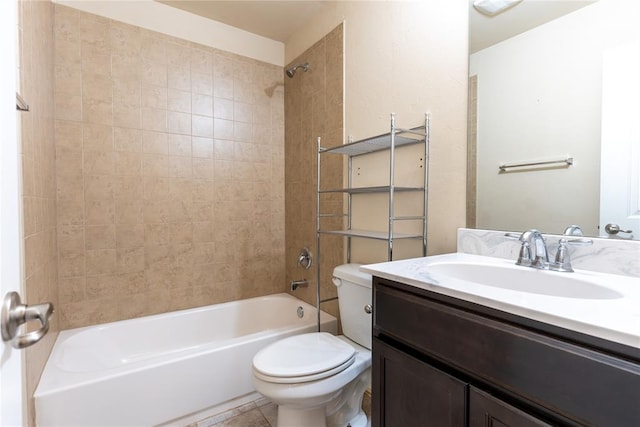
{"x":319,"y":379}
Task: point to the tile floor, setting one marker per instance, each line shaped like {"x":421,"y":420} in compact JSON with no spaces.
{"x":259,"y":413}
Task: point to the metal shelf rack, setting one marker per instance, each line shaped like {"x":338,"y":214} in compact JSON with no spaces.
{"x":395,"y":138}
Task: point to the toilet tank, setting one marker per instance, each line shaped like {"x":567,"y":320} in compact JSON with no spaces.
{"x":354,"y":294}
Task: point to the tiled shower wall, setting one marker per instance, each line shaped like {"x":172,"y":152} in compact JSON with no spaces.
{"x":170,"y":169}
{"x":35,"y":75}
{"x":314,"y":108}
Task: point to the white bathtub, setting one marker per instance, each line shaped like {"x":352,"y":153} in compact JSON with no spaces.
{"x":157,"y":369}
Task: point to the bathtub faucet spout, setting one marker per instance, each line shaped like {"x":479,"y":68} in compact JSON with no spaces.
{"x":295,"y":284}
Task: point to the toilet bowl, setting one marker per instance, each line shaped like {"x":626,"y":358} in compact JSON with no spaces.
{"x":318,"y":379}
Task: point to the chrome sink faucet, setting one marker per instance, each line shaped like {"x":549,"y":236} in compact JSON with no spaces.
{"x":533,"y":251}
{"x":537,"y":247}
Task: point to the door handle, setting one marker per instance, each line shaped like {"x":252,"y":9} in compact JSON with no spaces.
{"x":14,"y":314}
{"x":615,"y":229}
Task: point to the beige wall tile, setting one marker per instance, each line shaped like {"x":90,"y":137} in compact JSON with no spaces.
{"x":154,"y":119}
{"x":153,"y":48}
{"x":202,"y":126}
{"x":98,"y":163}
{"x":202,"y":105}
{"x":128,"y":210}
{"x":127,"y":139}
{"x":100,"y":237}
{"x":68,"y":135}
{"x":179,"y":77}
{"x":223,"y":108}
{"x":180,"y":145}
{"x":153,"y":73}
{"x":202,"y":147}
{"x":72,"y":289}
{"x":126,"y":66}
{"x":179,"y":100}
{"x":124,"y":38}
{"x":130,"y":260}
{"x":155,"y":142}
{"x":128,"y":163}
{"x":68,"y":79}
{"x":156,"y":165}
{"x":129,"y":235}
{"x":177,"y":55}
{"x":223,"y":128}
{"x":97,"y":137}
{"x":201,"y":83}
{"x":179,"y":123}
{"x":100,"y":262}
{"x":68,"y":107}
{"x":99,"y":212}
{"x":300,"y":157}
{"x":223,"y":88}
{"x":127,"y":117}
{"x":38,"y":80}
{"x":154,"y":96}
{"x":147,"y":200}
{"x":201,"y":61}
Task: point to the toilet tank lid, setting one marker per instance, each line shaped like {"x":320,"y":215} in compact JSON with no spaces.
{"x":352,"y":273}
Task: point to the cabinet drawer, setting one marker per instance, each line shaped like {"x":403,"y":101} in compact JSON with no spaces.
{"x":582,"y":385}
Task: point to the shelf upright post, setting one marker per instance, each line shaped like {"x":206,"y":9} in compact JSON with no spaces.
{"x":391,"y":184}
{"x":427,"y":134}
{"x":318,"y":236}
{"x":349,"y":195}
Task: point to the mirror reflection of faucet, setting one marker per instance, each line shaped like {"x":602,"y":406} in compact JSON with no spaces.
{"x":573,"y":230}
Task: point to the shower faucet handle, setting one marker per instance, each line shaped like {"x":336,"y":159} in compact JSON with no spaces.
{"x":305,"y":259}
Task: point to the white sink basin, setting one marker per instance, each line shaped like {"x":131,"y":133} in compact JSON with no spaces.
{"x":522,"y":279}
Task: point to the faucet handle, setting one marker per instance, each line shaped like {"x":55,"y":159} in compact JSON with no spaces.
{"x":563,"y":261}
{"x":524,"y":256}
{"x":579,"y":242}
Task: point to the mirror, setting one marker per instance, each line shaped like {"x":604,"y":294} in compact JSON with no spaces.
{"x":546,"y":87}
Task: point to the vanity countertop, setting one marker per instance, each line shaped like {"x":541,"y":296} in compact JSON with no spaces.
{"x":611,"y":319}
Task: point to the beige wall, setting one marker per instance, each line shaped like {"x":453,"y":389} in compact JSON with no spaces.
{"x":408,"y":58}
{"x":35,"y":32}
{"x":314,"y":108}
{"x":170,"y":172}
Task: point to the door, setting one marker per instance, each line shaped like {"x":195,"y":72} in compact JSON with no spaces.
{"x":409,"y":392}
{"x":620,"y":159}
{"x":11,"y":378}
{"x":487,"y":411}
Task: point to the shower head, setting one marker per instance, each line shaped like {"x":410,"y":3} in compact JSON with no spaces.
{"x":291,"y":71}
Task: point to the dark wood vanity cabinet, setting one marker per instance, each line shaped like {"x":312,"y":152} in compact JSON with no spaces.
{"x":439,"y":361}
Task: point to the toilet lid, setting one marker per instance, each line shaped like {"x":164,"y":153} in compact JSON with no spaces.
{"x":315,"y":355}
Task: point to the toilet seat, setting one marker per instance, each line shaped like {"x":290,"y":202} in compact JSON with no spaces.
{"x":303,"y":358}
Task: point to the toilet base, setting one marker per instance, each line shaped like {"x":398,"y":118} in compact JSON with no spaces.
{"x":288,"y":417}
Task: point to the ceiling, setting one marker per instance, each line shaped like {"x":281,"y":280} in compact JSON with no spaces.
{"x":485,"y":31}
{"x":278,"y":20}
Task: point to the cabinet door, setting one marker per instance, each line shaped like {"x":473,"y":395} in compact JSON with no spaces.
{"x":409,"y":392}
{"x":487,"y":411}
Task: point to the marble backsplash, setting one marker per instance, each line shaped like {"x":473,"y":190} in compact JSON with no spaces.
{"x":613,"y":256}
